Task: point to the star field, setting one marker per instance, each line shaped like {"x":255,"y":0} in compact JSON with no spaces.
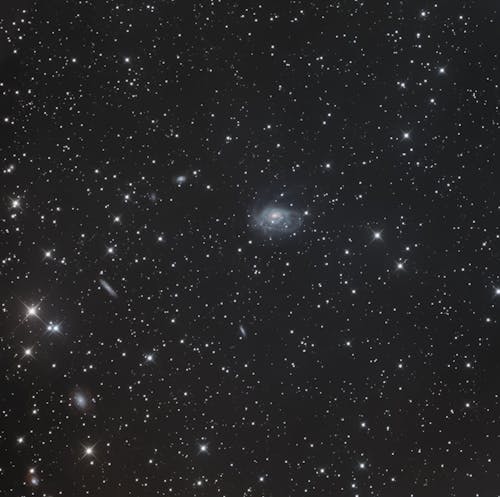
{"x":249,"y":249}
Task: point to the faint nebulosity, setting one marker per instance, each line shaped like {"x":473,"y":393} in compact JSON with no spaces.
{"x":250,"y":249}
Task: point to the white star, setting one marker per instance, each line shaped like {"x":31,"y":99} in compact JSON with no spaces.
{"x":88,"y":451}
{"x":32,"y":311}
{"x":53,"y":328}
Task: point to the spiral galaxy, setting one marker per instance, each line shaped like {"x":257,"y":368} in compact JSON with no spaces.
{"x":278,"y":221}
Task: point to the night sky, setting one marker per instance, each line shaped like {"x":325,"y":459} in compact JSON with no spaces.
{"x":250,"y":249}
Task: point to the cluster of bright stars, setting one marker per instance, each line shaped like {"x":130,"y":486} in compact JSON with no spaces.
{"x":32,"y":311}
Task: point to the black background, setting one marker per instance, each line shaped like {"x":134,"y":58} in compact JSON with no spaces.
{"x":355,"y":377}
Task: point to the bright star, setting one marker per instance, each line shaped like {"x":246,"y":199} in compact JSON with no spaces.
{"x":89,"y":451}
{"x":32,"y":311}
{"x":53,"y":328}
